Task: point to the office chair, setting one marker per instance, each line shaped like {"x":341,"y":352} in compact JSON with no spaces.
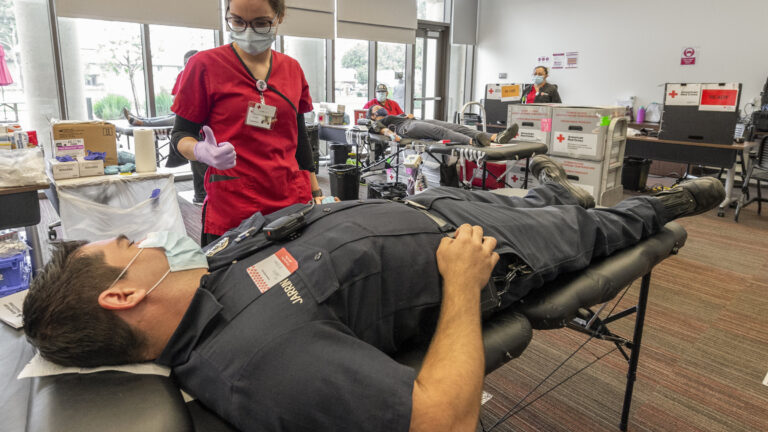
{"x":758,"y":170}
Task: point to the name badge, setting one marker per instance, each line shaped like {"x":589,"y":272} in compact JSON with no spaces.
{"x":261,"y":115}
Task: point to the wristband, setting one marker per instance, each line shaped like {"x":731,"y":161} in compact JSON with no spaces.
{"x":317,"y":193}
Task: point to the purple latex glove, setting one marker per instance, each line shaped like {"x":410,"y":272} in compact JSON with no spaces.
{"x":92,"y":155}
{"x":66,"y":158}
{"x":218,"y":155}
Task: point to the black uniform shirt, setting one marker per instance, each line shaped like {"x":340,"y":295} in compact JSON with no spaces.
{"x":310,"y":352}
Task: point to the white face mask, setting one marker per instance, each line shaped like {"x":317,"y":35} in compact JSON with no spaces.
{"x":181,"y":251}
{"x":381,"y":97}
{"x":254,"y":43}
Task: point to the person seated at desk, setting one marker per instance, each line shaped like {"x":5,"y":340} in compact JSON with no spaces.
{"x":541,"y":91}
{"x":294,"y":335}
{"x":381,"y":100}
{"x":407,"y":126}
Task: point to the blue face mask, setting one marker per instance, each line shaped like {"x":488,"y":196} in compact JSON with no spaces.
{"x":181,"y":251}
{"x":381,"y":97}
{"x":254,"y":43}
{"x":538,"y":79}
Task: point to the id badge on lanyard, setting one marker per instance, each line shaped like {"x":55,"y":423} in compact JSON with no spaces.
{"x":260,"y":114}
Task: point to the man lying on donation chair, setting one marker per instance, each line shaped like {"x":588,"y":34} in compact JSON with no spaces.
{"x":294,"y":334}
{"x":396,"y":126}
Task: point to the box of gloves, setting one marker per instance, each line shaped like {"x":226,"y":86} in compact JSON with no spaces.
{"x":61,"y":170}
{"x":89,"y":168}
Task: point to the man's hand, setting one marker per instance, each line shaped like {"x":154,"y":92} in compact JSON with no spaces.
{"x":410,"y":116}
{"x":446,"y":393}
{"x":466,"y":261}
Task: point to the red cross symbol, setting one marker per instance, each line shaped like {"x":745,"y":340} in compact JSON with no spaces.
{"x":673,"y":94}
{"x":515,"y":179}
{"x":561,"y":138}
{"x":490,"y":91}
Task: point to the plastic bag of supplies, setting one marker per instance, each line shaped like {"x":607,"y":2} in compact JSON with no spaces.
{"x":22,"y":167}
{"x":129,"y":205}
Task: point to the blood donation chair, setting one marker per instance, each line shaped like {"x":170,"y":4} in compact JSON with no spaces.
{"x":439,"y":151}
{"x":124,"y":402}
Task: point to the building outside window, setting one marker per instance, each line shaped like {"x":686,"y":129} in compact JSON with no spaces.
{"x":169,"y":44}
{"x":351,"y":74}
{"x":390,"y":70}
{"x":311,"y":55}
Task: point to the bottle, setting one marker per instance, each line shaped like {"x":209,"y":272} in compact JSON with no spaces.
{"x":640,"y":115}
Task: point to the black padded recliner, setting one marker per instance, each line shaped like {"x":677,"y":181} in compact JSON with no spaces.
{"x":123,"y":402}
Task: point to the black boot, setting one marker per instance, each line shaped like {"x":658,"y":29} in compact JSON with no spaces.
{"x":549,"y":171}
{"x":508,"y":133}
{"x":691,"y":197}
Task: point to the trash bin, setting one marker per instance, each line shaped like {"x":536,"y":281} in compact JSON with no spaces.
{"x":345,"y":181}
{"x":313,"y":133}
{"x":384,"y":190}
{"x":339,"y":153}
{"x":634,"y":175}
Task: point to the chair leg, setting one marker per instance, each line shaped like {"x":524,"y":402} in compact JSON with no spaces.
{"x":635,"y":355}
{"x":759,"y":197}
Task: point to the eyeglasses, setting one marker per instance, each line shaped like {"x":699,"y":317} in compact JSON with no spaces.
{"x":259,"y":25}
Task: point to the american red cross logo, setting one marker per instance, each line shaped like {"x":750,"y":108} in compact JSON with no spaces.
{"x":561,"y":138}
{"x":490,"y":91}
{"x":672,"y":94}
{"x":515,"y":179}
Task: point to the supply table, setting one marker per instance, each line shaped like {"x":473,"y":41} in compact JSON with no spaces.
{"x":709,"y":154}
{"x":20,"y":207}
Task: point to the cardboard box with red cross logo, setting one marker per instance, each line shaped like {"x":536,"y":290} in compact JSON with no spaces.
{"x":534,"y":120}
{"x":582,"y":132}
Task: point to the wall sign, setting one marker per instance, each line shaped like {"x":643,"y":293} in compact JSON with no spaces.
{"x":688,"y":56}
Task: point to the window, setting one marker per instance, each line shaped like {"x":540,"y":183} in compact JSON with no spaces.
{"x":351,"y":74}
{"x":169,"y":45}
{"x":431,"y":10}
{"x":109,"y":54}
{"x":390,"y":70}
{"x":30,"y":99}
{"x":310,"y":53}
{"x":456,"y":83}
{"x":418,"y":79}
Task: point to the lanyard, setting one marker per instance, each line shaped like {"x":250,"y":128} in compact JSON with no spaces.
{"x":263,"y":85}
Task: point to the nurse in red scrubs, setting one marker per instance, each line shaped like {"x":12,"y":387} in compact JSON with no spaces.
{"x":248,"y":101}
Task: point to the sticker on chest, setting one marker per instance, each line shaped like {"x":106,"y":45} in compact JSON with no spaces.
{"x":272,"y":269}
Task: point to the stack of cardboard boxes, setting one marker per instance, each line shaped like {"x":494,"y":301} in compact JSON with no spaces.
{"x":71,"y":138}
{"x":588,"y":141}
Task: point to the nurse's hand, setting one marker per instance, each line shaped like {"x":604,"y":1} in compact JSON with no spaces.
{"x":218,"y":155}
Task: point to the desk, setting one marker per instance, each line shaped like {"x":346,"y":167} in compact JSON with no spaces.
{"x":717,"y":155}
{"x":650,"y":126}
{"x":20,"y":207}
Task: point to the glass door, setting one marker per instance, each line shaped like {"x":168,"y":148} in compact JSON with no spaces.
{"x":429,"y":77}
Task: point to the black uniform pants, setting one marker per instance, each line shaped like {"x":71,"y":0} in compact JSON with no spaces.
{"x":546,"y":229}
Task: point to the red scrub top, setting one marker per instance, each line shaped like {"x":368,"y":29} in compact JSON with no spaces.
{"x":531,"y":96}
{"x":177,"y":84}
{"x":392,"y":107}
{"x":215,"y":91}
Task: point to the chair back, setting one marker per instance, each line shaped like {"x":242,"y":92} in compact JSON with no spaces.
{"x":762,"y":154}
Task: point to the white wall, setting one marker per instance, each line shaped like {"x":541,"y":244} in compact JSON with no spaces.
{"x":626,"y":48}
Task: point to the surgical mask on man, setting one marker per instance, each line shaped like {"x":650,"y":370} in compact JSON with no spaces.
{"x":538,"y":79}
{"x":181,"y":251}
{"x":381,"y":97}
{"x":254,"y":43}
